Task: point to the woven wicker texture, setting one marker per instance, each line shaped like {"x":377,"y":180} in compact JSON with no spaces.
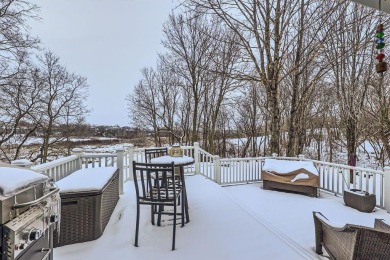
{"x":373,"y":244}
{"x":309,"y":190}
{"x":364,"y":203}
{"x":85,"y":216}
{"x":109,"y":199}
{"x":351,"y":242}
{"x":381,"y":225}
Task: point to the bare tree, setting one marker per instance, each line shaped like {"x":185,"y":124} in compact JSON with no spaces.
{"x":15,"y":40}
{"x":168,"y":98}
{"x":62,"y":100}
{"x":304,"y":63}
{"x":262,"y":29}
{"x":377,"y":118}
{"x":187,"y":38}
{"x":220,"y":85}
{"x":349,"y":50}
{"x":19,"y":117}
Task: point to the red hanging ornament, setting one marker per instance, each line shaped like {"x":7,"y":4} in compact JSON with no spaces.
{"x":380,"y":56}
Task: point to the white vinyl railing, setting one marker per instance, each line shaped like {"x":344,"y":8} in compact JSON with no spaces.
{"x":98,"y":160}
{"x":204,"y":162}
{"x":60,"y":168}
{"x":334,"y":178}
{"x":249,"y":169}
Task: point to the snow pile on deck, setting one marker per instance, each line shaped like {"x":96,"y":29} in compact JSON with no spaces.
{"x":235,"y":222}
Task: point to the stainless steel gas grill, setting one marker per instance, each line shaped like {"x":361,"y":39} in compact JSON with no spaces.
{"x":27,"y":220}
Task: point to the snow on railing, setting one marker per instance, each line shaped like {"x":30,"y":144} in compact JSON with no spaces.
{"x":334,"y":178}
{"x":59,"y":168}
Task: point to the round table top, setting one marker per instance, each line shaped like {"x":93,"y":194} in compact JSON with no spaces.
{"x":179,"y":161}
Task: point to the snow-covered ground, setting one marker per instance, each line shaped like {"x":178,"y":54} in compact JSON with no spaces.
{"x":111,"y":148}
{"x":235,"y":222}
{"x":17,"y":139}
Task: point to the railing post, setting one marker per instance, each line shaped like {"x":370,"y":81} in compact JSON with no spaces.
{"x":119,"y":162}
{"x":217,"y":169}
{"x":274,"y":155}
{"x":301,"y":157}
{"x":78,"y":152}
{"x":386,"y":188}
{"x":131,"y":159}
{"x":196,"y":157}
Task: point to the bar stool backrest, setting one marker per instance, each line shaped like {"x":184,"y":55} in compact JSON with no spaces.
{"x":155,"y":152}
{"x":154,"y":182}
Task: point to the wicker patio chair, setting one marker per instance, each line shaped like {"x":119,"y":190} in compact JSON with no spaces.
{"x":350,"y":242}
{"x":380,"y":224}
{"x":154,"y":188}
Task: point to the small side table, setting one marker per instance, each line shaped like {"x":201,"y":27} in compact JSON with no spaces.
{"x":359,"y":200}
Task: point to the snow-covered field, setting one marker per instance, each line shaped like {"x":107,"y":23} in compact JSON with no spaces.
{"x":236,"y":222}
{"x":37,"y":140}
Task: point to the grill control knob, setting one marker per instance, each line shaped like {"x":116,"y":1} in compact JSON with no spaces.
{"x":54,"y":218}
{"x":20,"y":247}
{"x":35,"y":234}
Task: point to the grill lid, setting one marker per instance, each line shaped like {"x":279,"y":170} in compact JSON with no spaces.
{"x":14,"y":179}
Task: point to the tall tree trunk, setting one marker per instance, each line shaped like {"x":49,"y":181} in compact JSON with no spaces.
{"x":275,"y":119}
{"x":351,"y":143}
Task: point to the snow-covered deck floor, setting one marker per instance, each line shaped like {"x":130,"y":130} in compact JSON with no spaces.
{"x":236,"y":222}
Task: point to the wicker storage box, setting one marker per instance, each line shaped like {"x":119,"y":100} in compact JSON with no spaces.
{"x":308,"y":190}
{"x":361,"y":202}
{"x":84,"y":215}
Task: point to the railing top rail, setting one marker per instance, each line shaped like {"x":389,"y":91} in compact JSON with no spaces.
{"x":52,"y":164}
{"x":141,"y":149}
{"x":46,"y":166}
{"x":98,"y":155}
{"x":346,"y":166}
{"x":243,"y":159}
{"x":186,"y":147}
{"x":305,"y":159}
{"x":204,"y":151}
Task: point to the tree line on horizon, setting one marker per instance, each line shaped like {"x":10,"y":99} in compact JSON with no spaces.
{"x":37,"y":92}
{"x":293,"y":72}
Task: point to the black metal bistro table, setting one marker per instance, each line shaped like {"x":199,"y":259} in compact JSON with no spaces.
{"x":179,"y":162}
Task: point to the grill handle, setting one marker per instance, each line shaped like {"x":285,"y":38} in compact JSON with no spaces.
{"x":32,"y":203}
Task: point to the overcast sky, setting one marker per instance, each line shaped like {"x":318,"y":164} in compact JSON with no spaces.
{"x":107,"y":41}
